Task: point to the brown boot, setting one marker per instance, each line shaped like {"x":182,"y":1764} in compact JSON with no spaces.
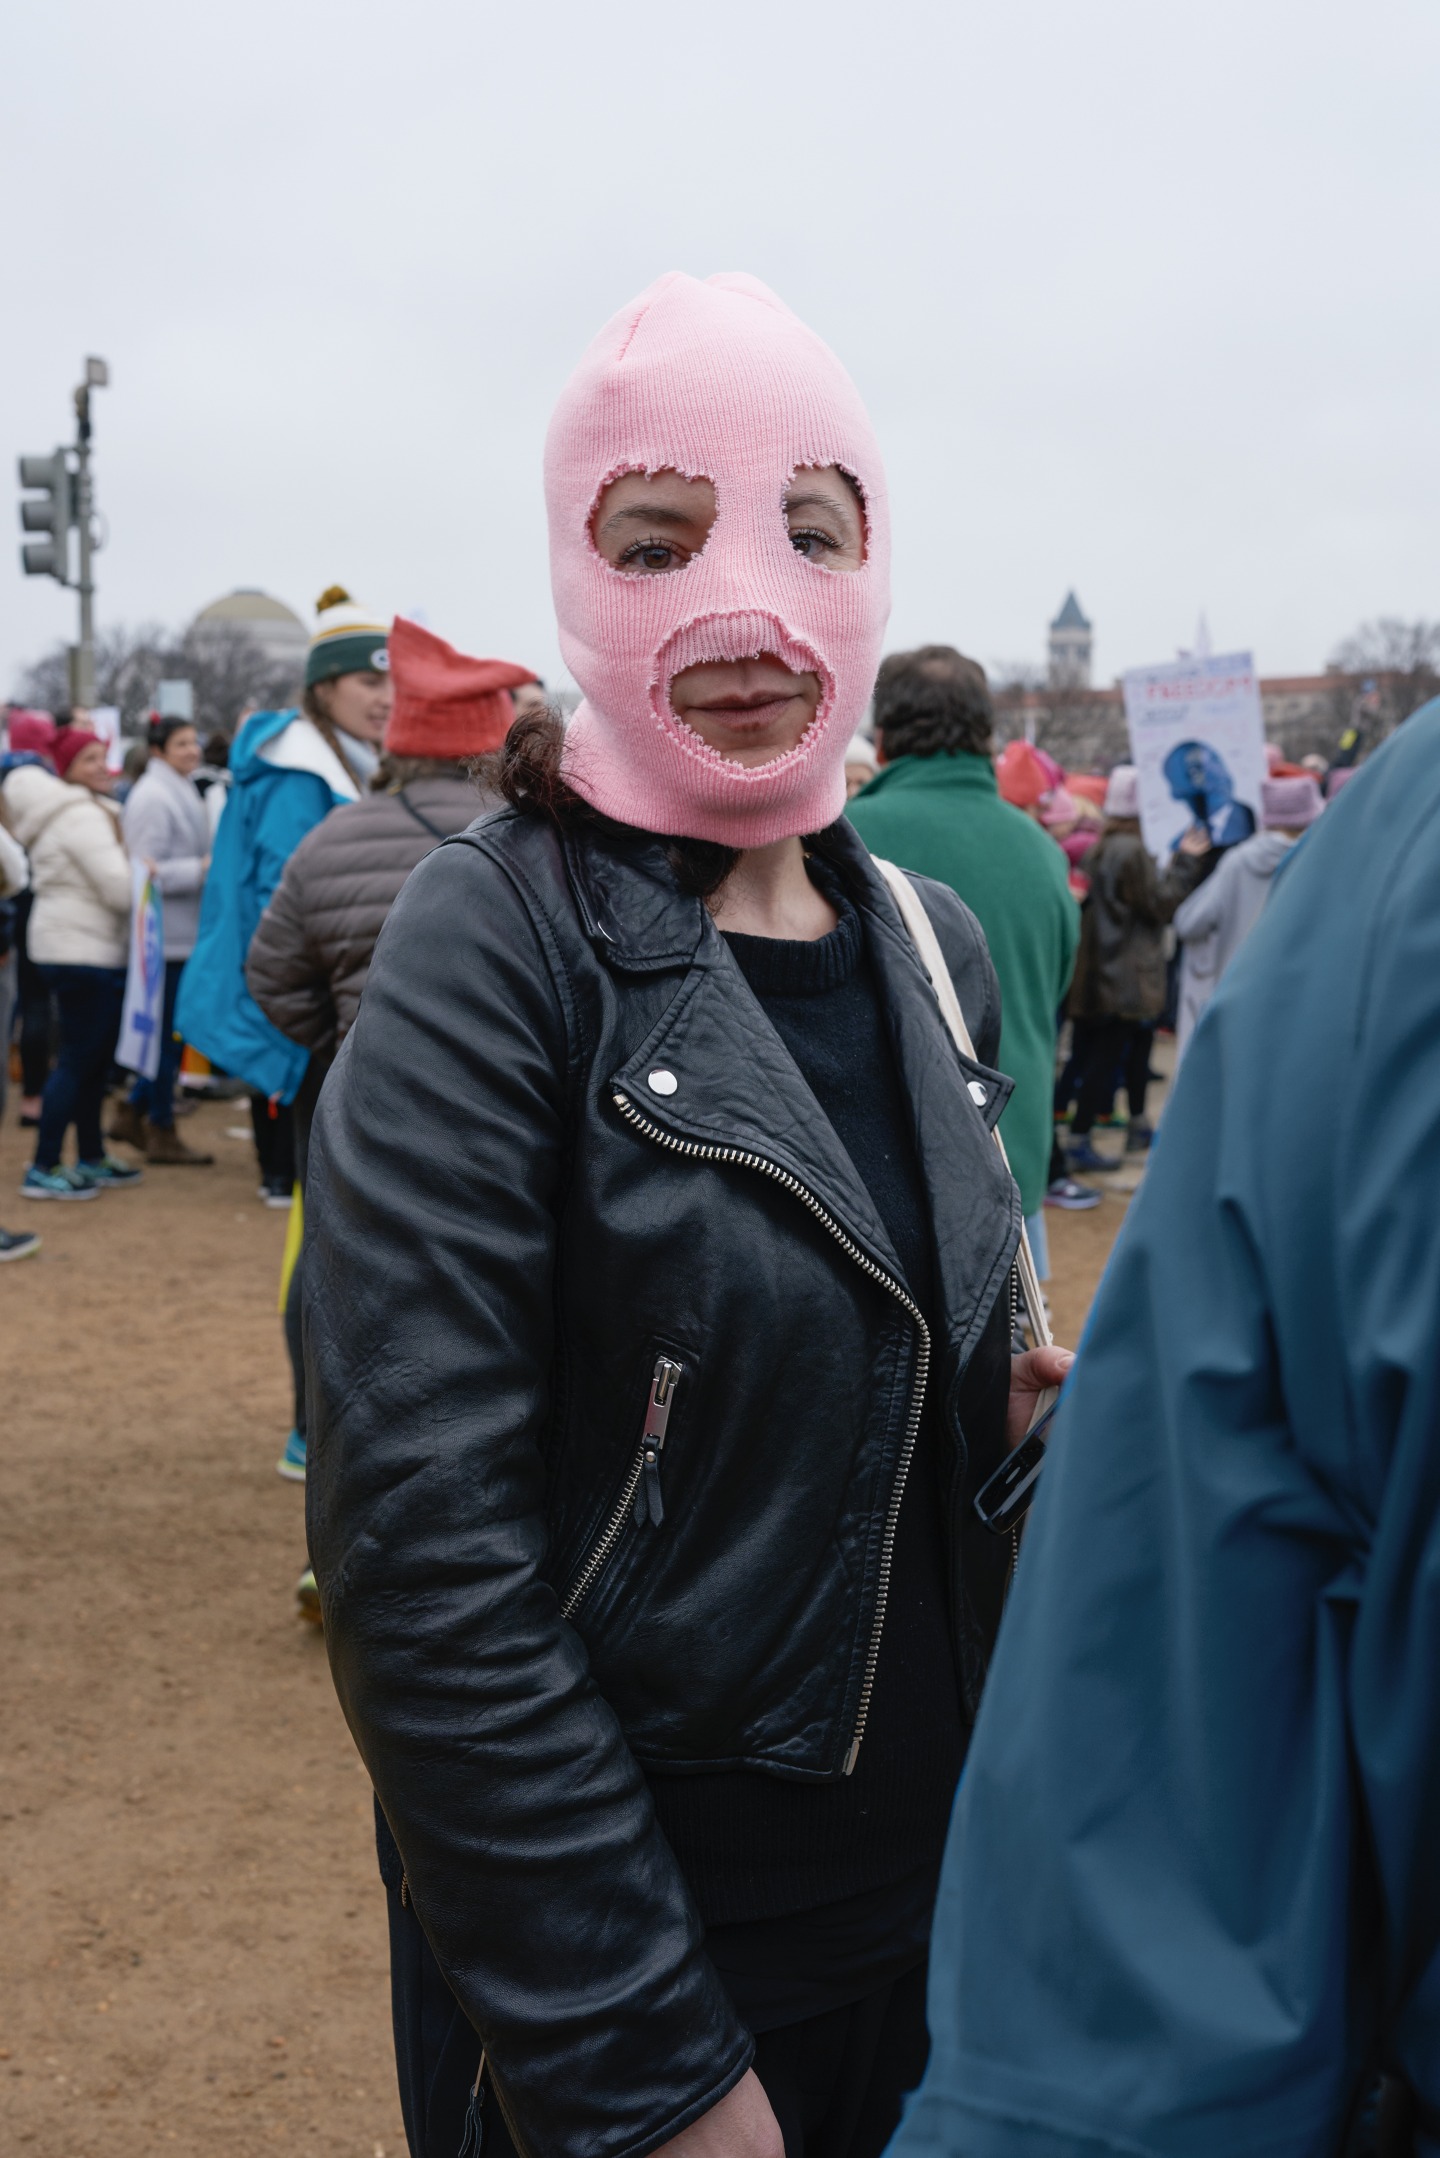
{"x":128,"y":1126}
{"x":163,"y":1144}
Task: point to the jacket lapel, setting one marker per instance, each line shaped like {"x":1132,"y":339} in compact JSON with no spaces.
{"x":714,"y":1073}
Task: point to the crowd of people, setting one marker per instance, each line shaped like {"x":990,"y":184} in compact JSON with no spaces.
{"x":655,"y":1335}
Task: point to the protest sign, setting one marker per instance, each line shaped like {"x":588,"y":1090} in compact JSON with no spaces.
{"x":104,"y":720}
{"x":1197,"y":738}
{"x":138,"y":1048}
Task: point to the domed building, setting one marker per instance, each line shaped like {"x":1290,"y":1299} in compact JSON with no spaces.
{"x":276,"y":628}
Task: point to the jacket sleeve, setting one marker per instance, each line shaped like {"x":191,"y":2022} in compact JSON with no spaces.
{"x":1189,"y":1900}
{"x":283,"y":973}
{"x":437,"y":1168}
{"x":92,"y":840}
{"x":14,"y":865}
{"x":1204,"y":910}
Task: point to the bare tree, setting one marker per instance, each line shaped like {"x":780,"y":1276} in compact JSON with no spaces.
{"x":226,"y":667}
{"x":1394,"y":668}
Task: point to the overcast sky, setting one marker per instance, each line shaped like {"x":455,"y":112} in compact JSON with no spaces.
{"x":1142,"y":295}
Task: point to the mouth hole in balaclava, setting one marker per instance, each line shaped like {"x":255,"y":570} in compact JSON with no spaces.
{"x":825,"y":515}
{"x":649,"y":524}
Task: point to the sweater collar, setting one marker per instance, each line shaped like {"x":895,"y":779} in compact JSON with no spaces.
{"x":948,"y":768}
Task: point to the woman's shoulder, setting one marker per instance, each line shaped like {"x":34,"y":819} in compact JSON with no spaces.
{"x":504,"y":863}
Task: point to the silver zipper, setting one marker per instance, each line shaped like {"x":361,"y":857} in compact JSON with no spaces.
{"x":746,"y":1160}
{"x":646,"y":1464}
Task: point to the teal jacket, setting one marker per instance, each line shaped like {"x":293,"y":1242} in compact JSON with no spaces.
{"x":284,"y":779}
{"x":943,"y":817}
{"x":1192,"y":1891}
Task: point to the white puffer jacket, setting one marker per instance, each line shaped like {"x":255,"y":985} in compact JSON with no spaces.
{"x":79,"y":870}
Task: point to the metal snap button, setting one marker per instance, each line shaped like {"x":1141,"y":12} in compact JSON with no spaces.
{"x":662,"y":1082}
{"x":978,"y":1094}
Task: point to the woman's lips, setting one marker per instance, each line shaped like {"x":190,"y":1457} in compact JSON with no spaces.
{"x":748,"y":714}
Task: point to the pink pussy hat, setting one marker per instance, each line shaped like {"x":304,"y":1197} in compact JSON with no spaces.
{"x":715,"y":380}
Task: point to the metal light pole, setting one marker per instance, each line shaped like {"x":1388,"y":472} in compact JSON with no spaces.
{"x":82,"y":656}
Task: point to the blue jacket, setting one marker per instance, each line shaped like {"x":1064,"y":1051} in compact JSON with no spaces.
{"x":1193,"y":1878}
{"x":273,"y":802}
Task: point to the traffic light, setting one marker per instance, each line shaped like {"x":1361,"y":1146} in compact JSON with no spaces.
{"x":51,"y":511}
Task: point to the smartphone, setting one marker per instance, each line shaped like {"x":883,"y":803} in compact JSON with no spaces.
{"x":1003,"y":1500}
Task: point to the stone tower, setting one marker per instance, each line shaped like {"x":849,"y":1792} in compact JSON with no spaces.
{"x":1069,"y":651}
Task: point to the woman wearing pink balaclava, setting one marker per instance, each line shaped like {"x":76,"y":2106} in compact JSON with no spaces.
{"x":658,"y":1323}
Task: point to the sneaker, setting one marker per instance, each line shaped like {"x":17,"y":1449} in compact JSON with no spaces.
{"x":128,"y":1126}
{"x":17,"y":1244}
{"x":59,"y":1183}
{"x":291,"y":1464}
{"x":307,"y":1596}
{"x":1080,"y":1154}
{"x":275,"y":1192}
{"x":1076,"y":1198}
{"x":1137,"y":1139}
{"x":107,"y":1174}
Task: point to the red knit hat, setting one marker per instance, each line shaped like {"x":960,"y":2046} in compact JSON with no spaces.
{"x":445,"y":704}
{"x":67,"y":745}
{"x":1021,"y":776}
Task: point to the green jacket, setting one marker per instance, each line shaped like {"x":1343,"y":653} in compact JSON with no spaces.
{"x":943,"y":817}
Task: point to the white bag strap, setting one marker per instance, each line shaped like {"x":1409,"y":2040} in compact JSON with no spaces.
{"x":927,"y":944}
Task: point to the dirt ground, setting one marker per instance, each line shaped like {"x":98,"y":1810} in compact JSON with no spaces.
{"x":194,"y":1928}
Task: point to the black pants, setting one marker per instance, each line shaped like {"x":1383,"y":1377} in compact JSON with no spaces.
{"x":89,"y":1001}
{"x":157,"y":1096}
{"x":1107,"y":1049}
{"x":36,"y":1006}
{"x":837,"y":2082}
{"x":274,"y":1130}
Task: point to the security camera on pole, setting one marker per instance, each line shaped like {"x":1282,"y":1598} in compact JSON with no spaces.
{"x":62,"y":499}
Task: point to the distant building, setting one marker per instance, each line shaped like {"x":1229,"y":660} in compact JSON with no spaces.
{"x":1069,"y":649}
{"x":276,"y":628}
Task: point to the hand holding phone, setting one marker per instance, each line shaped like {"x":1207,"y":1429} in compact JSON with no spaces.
{"x":1003,"y":1500}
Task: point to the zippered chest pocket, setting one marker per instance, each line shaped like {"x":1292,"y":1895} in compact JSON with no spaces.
{"x":641,"y":1499}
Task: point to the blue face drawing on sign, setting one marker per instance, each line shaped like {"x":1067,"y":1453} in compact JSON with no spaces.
{"x":1198,"y":776}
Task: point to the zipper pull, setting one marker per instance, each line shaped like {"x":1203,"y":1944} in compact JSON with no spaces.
{"x":649,"y":1504}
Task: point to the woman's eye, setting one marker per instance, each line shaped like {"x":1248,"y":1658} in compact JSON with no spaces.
{"x":813,"y":544}
{"x":653,"y":556}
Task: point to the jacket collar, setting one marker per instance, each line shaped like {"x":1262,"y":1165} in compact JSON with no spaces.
{"x":301,"y":747}
{"x":713,"y":1075}
{"x":953,"y":768}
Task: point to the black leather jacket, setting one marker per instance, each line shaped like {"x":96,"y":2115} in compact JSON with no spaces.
{"x":563,"y":1151}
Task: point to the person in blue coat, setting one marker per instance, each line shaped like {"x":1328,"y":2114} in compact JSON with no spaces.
{"x":1191,"y":1895}
{"x":288,"y":771}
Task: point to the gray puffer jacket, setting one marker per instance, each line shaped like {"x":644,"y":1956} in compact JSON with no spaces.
{"x":310,"y":956}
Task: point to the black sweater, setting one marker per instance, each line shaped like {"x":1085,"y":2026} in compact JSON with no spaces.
{"x":859,"y":1857}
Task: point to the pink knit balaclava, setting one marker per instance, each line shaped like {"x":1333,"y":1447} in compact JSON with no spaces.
{"x":715,"y":380}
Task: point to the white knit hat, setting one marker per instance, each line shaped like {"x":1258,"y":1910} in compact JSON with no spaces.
{"x":1122,"y":796}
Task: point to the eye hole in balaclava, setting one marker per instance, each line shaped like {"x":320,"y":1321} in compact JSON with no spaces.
{"x":648,"y":523}
{"x":825,"y":516}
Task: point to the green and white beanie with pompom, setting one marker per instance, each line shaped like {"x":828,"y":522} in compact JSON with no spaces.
{"x":347,"y":640}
